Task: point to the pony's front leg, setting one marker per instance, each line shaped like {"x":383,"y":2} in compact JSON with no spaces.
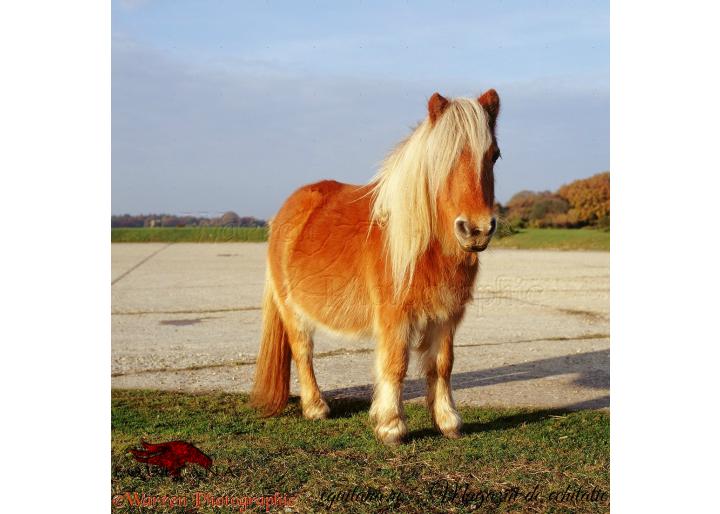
{"x":437,"y":359}
{"x":390,"y":367}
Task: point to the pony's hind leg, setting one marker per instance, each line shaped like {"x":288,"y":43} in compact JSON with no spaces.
{"x":437,"y":360}
{"x":390,"y":368}
{"x":301,"y":346}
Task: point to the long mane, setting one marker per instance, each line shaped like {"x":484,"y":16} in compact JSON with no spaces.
{"x":406,"y":187}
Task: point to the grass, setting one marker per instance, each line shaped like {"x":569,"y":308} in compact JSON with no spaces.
{"x":188,"y":234}
{"x":556,"y":239}
{"x":526,"y":239}
{"x":318,"y":462}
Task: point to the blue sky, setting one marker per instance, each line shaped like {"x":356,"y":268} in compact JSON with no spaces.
{"x":222,"y":106}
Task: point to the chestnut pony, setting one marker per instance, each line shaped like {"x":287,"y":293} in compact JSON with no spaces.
{"x":394,"y":260}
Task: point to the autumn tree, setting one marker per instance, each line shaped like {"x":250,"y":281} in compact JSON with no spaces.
{"x":589,"y":199}
{"x":533,"y":209}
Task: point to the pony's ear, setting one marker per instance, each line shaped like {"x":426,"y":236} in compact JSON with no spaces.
{"x":491,"y":103}
{"x":436,"y":105}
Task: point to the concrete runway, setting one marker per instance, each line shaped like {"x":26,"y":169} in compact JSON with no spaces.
{"x":187,"y":317}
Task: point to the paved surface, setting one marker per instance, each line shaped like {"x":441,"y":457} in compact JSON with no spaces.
{"x":187,"y":317}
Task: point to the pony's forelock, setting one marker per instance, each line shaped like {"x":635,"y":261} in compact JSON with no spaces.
{"x":406,"y":187}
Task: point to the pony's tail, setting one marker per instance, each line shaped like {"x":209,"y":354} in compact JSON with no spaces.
{"x":272,"y":373}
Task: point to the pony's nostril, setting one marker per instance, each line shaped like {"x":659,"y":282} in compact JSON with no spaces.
{"x":493,"y":225}
{"x":463,"y":227}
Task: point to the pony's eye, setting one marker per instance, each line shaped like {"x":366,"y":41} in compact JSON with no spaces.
{"x":496,"y":156}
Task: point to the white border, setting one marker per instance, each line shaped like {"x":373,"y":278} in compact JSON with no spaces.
{"x":55,"y":267}
{"x":664,"y":258}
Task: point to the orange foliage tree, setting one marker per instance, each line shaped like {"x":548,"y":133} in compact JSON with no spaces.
{"x":589,"y":199}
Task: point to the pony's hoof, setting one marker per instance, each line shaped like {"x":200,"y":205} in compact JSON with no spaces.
{"x":392,"y":433}
{"x":452,"y":434}
{"x":449,"y":423}
{"x":317,"y":410}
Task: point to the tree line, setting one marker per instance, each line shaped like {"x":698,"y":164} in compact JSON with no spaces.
{"x":228,"y":219}
{"x":584,"y":202}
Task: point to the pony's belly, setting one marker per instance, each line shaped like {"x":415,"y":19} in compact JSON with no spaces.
{"x":331,"y":296}
{"x":333,"y":310}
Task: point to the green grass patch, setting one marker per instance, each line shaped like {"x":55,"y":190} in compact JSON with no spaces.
{"x":189,"y":234}
{"x":555,"y":239}
{"x":544,"y":451}
{"x":525,"y":239}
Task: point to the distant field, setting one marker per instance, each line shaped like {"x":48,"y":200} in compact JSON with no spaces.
{"x":526,"y":239}
{"x":555,"y":239}
{"x":188,"y":235}
{"x":551,"y":457}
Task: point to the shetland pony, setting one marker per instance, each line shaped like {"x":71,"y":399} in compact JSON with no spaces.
{"x":395,"y":260}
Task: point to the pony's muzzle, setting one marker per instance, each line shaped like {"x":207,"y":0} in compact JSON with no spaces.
{"x":474,"y":237}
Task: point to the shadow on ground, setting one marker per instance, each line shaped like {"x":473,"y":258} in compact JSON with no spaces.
{"x":592,"y":368}
{"x":348,"y":407}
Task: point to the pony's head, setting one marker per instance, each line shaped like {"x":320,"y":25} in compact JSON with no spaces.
{"x":466,"y":198}
{"x":439,"y":183}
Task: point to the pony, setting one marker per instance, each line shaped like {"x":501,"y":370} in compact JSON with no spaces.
{"x":395,"y":260}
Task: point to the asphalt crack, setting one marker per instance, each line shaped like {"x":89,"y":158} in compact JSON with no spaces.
{"x":562,"y":310}
{"x":136,"y":266}
{"x":194,"y":311}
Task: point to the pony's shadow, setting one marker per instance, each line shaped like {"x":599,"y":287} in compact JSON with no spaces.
{"x":592,"y":370}
{"x":514,"y":420}
{"x":347,"y":407}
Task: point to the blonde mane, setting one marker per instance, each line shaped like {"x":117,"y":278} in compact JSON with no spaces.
{"x":406,"y":187}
